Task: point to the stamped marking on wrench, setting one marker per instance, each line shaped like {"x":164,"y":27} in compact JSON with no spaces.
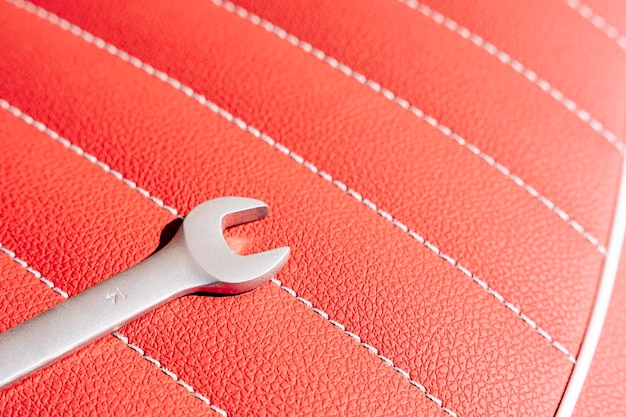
{"x":196,"y":260}
{"x":113,"y":297}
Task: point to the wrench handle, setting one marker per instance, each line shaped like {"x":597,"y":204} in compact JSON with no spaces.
{"x":197,"y":259}
{"x":95,"y":312}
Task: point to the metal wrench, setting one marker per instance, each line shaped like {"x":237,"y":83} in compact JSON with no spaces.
{"x":197,"y":259}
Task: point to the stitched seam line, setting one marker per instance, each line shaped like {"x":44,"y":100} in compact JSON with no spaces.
{"x":598,"y":21}
{"x":282,"y":34}
{"x":119,"y":336}
{"x":188,"y":91}
{"x":32,"y":271}
{"x":518,"y":67}
{"x":369,"y":347}
{"x":79,"y":151}
{"x":169,"y":373}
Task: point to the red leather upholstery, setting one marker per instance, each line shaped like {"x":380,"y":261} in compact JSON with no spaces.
{"x":604,"y":392}
{"x":448,"y":216}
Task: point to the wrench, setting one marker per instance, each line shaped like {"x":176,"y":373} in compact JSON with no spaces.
{"x":196,"y":260}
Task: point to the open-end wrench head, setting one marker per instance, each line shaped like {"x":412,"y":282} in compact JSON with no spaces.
{"x":202,"y":231}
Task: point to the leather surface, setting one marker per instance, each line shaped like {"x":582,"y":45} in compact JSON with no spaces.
{"x":293,"y":109}
{"x":604,"y":15}
{"x":594,"y":79}
{"x":368,"y":318}
{"x":604,"y":392}
{"x":503,"y":114}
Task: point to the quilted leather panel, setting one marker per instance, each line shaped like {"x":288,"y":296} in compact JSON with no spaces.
{"x":268,"y":352}
{"x":191,"y":139}
{"x":472,"y":93}
{"x":571,"y":56}
{"x":36,"y":216}
{"x":232,"y":352}
{"x":438,"y":175}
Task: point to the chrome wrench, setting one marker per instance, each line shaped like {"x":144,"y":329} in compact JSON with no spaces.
{"x":196,"y":260}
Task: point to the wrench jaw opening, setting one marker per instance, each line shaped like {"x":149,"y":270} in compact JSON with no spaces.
{"x":202,"y":232}
{"x":269,"y":261}
{"x":251,"y":214}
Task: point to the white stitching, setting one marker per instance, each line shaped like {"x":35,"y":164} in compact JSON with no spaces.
{"x":518,"y":67}
{"x":372,"y":349}
{"x":119,"y":336}
{"x":283,"y":149}
{"x":598,"y":21}
{"x":77,"y":150}
{"x":270,"y":27}
{"x":33,"y":272}
{"x":169,"y":373}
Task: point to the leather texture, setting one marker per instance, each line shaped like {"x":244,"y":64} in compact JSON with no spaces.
{"x":605,"y":392}
{"x":448,"y":213}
